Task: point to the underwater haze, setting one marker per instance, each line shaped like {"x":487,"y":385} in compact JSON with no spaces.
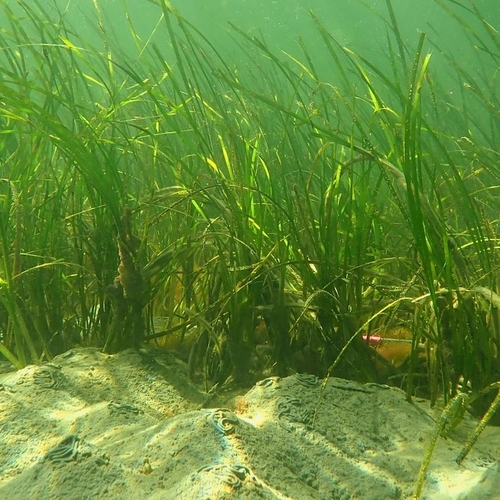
{"x":360,"y":25}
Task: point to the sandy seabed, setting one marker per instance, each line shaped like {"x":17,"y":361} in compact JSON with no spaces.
{"x":130,"y":426}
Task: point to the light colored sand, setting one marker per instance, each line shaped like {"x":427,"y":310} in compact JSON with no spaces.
{"x":143,"y":432}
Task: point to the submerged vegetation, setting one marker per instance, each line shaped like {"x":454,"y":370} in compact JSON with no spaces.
{"x":258,"y":217}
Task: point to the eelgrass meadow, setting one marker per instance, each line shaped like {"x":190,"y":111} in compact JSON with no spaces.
{"x":257,"y":217}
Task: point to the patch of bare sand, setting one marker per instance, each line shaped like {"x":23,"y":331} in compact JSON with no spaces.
{"x":129,"y":426}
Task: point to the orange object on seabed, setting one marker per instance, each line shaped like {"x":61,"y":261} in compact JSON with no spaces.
{"x":394,"y":350}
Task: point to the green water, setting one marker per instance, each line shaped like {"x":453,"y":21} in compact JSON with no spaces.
{"x":130,"y":29}
{"x":360,"y":25}
{"x":280,"y":21}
